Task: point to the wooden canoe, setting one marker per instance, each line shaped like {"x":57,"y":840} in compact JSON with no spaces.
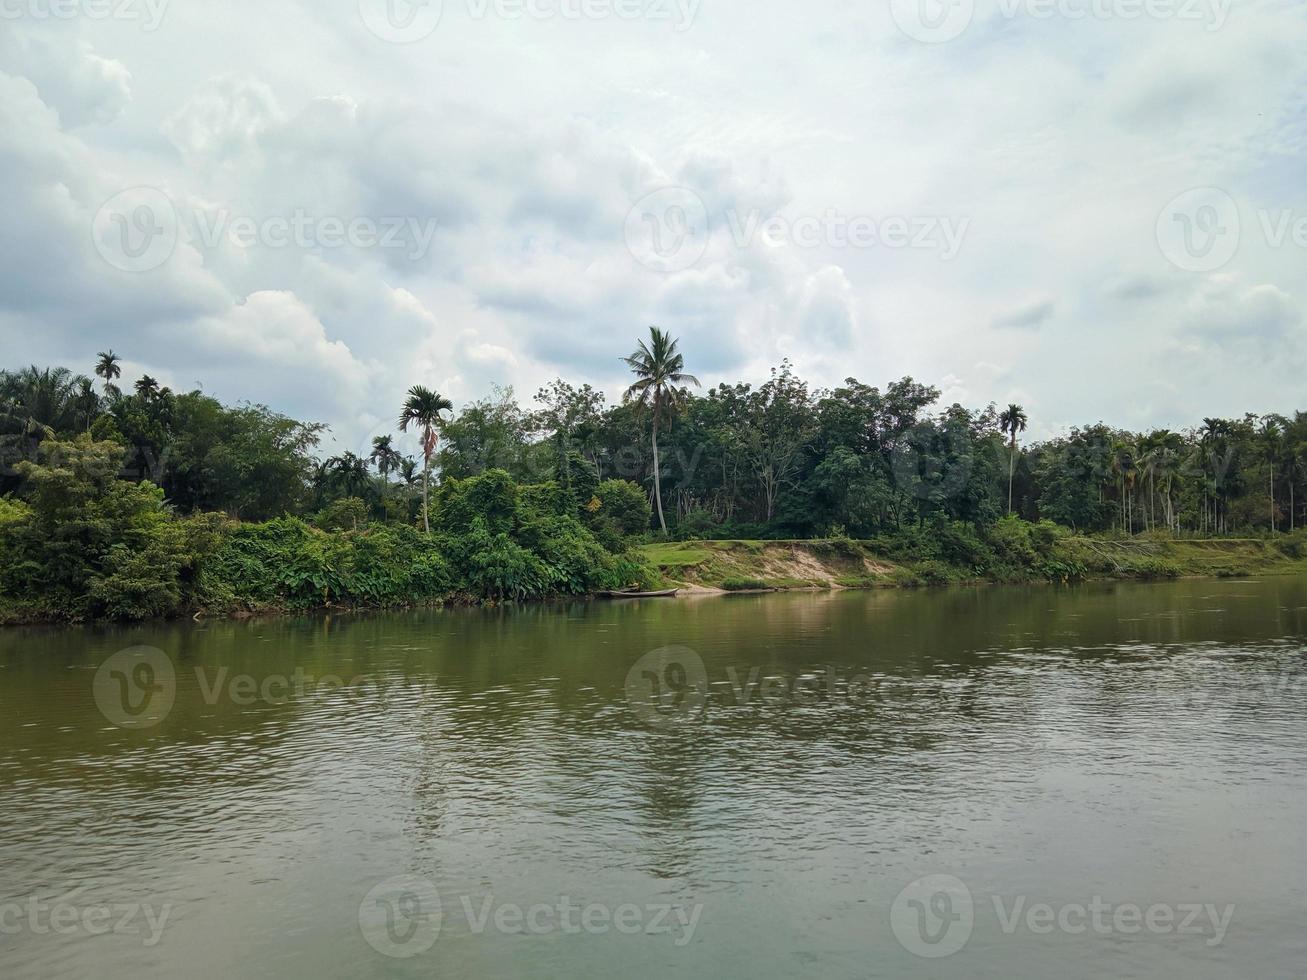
{"x":665,"y":594}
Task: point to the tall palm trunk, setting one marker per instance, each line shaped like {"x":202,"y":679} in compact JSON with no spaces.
{"x":658,"y":479}
{"x":1011,"y":473}
{"x":1272,"y":498}
{"x":426,"y":491}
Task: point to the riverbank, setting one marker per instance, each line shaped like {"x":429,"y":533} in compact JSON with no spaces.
{"x":244,"y":580}
{"x":709,"y":567}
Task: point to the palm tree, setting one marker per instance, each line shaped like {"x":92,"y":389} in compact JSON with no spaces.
{"x":422,"y":408}
{"x":1271,"y":438}
{"x":1212,"y":441}
{"x":1124,"y":465}
{"x":147,"y":387}
{"x":659,"y":387}
{"x":87,"y":402}
{"x":40,"y":402}
{"x":1011,"y":423}
{"x":408,"y":470}
{"x":348,"y":474}
{"x":110,"y":370}
{"x":385,"y":456}
{"x":1164,"y":462}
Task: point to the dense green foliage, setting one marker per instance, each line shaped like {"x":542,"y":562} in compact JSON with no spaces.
{"x":146,"y":502}
{"x":84,"y":543}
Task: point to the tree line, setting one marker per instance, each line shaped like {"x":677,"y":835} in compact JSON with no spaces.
{"x":780,"y":459}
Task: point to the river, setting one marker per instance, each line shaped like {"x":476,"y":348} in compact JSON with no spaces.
{"x":1106,"y":780}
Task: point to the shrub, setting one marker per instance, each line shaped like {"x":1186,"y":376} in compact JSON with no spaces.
{"x":339,"y":515}
{"x":905,"y":578}
{"x":697,"y":525}
{"x":618,"y":513}
{"x":1147,"y":567}
{"x":1293,"y":545}
{"x":743,"y":584}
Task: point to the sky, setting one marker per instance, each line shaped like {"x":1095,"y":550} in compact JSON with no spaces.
{"x":1094,"y":208}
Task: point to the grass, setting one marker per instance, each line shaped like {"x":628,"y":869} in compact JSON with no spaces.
{"x":738,"y":565}
{"x":743,"y":584}
{"x":676,"y":554}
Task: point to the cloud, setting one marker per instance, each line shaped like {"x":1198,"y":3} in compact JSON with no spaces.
{"x":1226,"y":312}
{"x":1060,"y":143}
{"x":82,"y":86}
{"x":1033,"y":313}
{"x":276,"y":332}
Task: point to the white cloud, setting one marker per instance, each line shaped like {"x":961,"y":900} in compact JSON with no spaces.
{"x":1058,"y":142}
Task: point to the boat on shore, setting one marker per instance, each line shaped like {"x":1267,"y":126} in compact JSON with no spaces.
{"x":664,"y":594}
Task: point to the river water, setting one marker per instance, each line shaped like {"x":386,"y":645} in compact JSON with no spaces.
{"x":1108,"y":780}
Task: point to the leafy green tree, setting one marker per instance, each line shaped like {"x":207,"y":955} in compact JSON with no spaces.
{"x":94,"y":544}
{"x":569,"y":420}
{"x":776,"y":434}
{"x":618,"y":513}
{"x":491,"y":433}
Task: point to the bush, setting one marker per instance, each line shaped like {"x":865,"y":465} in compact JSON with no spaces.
{"x":934,"y":573}
{"x":1293,"y":545}
{"x":906,"y":578}
{"x":618,"y":514}
{"x":698,"y":525}
{"x":288,"y":564}
{"x":339,"y":515}
{"x":743,"y":584}
{"x":1151,"y":568}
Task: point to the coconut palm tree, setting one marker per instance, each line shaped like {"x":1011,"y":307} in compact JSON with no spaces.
{"x":660,"y":387}
{"x":1011,"y":423}
{"x":422,"y":408}
{"x":385,"y":456}
{"x":109,"y":368}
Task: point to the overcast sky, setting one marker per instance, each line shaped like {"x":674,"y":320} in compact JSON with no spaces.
{"x":1095,"y":208}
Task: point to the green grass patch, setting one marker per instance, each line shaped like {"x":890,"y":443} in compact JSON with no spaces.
{"x":675,"y":555}
{"x":743,"y":584}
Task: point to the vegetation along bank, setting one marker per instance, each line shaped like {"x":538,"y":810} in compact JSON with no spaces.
{"x":144,"y":502}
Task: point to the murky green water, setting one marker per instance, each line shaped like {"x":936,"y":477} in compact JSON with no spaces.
{"x":1105,"y":781}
